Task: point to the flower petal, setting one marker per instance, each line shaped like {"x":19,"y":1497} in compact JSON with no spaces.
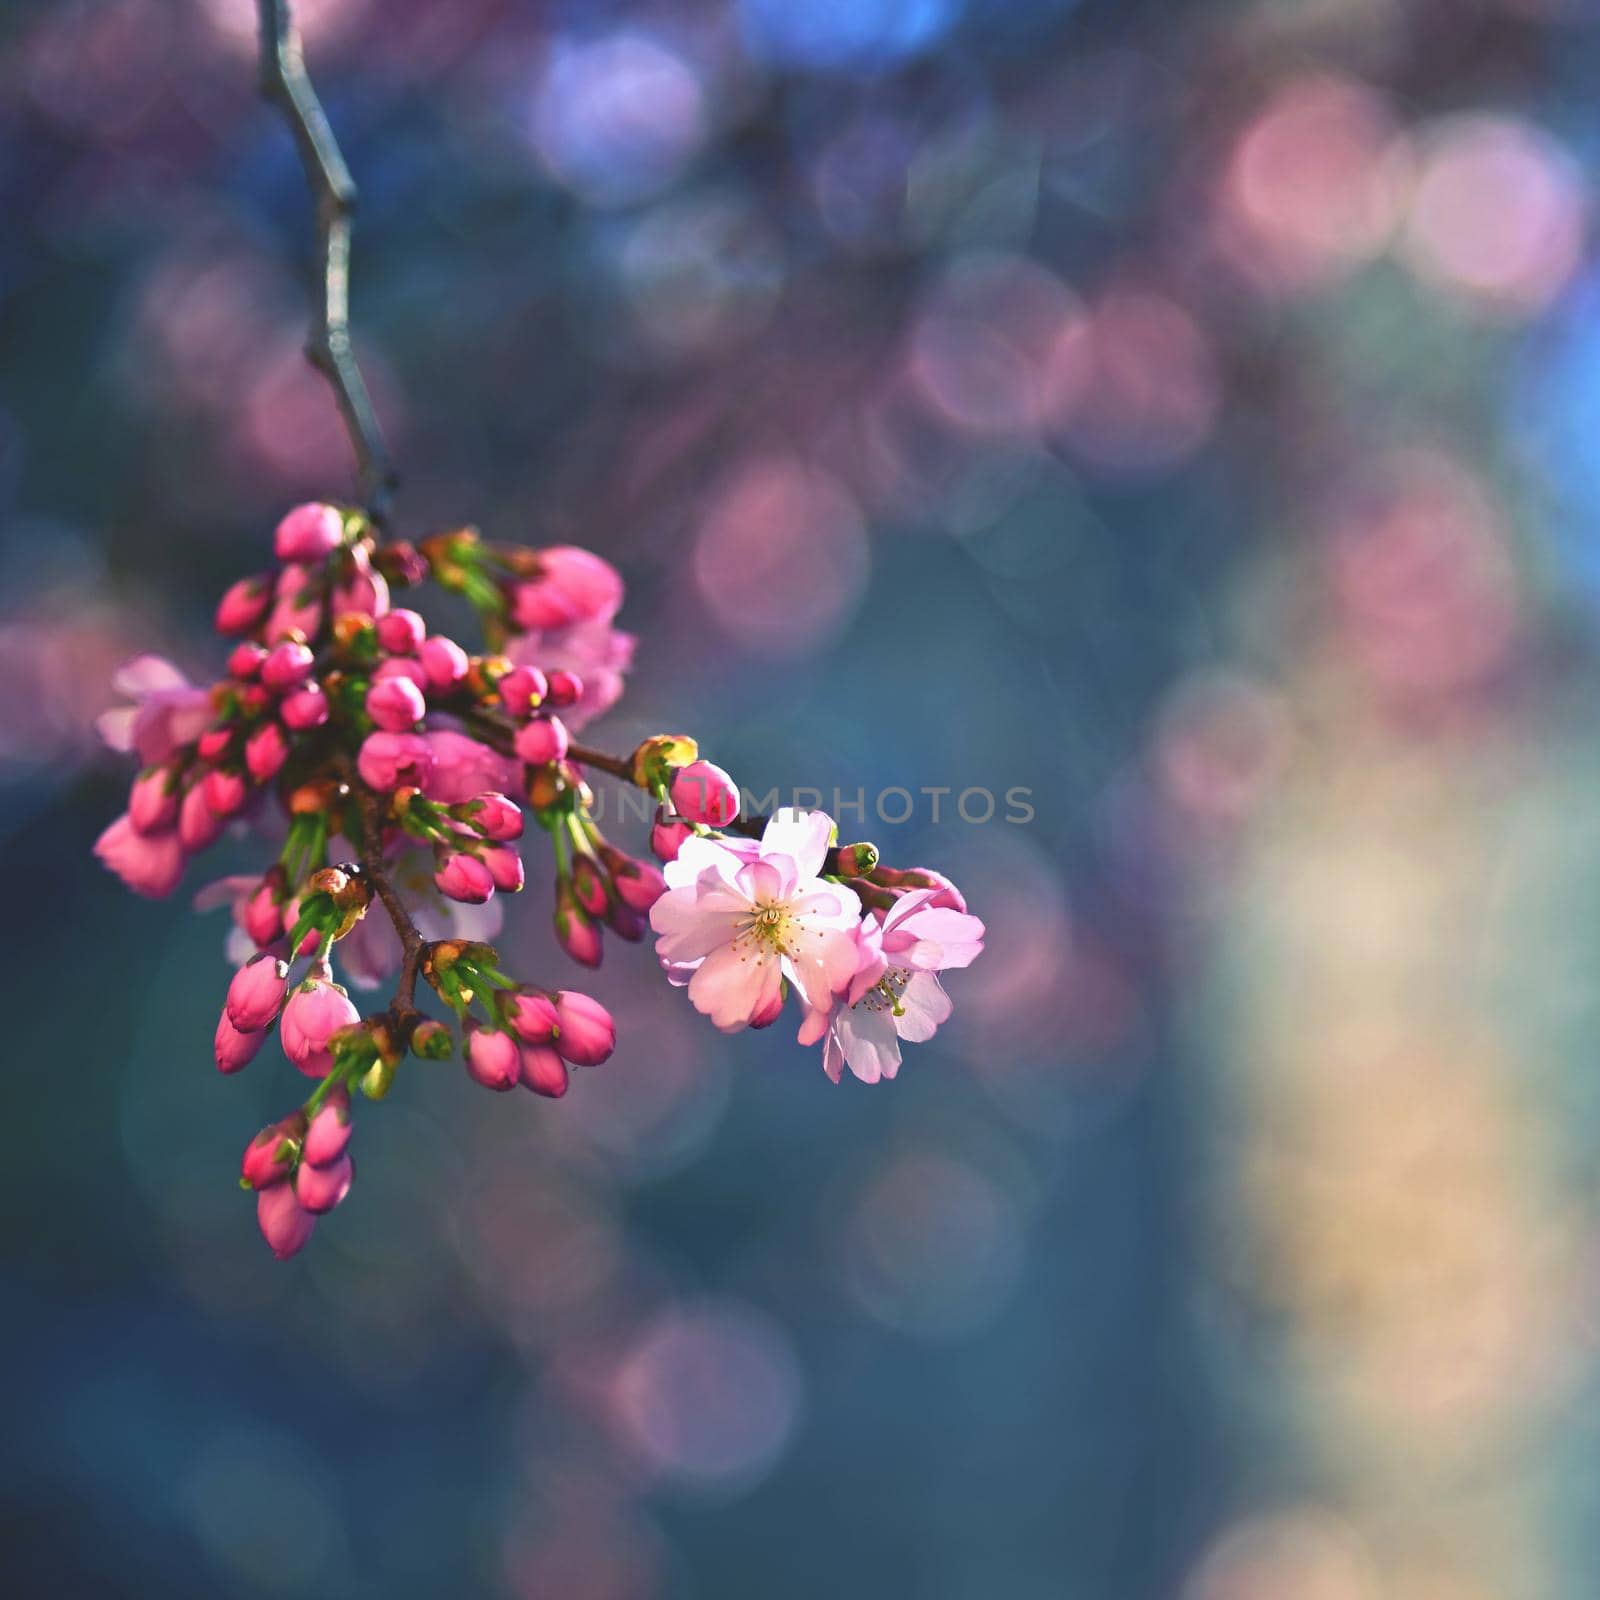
{"x":923,"y":1006}
{"x":731,"y":989}
{"x":115,"y":728}
{"x":803,"y":836}
{"x":146,"y":675}
{"x":870,"y":1045}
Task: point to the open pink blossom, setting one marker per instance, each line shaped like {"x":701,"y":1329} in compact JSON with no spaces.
{"x":386,"y":760}
{"x":894,"y":993}
{"x":149,"y":863}
{"x":573,"y":585}
{"x":167,"y":710}
{"x":745,"y":916}
{"x":462,"y":768}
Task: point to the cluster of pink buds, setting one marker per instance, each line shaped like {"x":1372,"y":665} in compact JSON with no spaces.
{"x":385,"y":774}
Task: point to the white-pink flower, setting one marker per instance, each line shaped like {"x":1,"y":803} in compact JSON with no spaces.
{"x":741,"y":917}
{"x":167,"y":710}
{"x":894,"y":993}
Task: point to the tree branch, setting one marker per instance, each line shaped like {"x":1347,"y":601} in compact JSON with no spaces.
{"x":284,"y":80}
{"x":402,"y":1010}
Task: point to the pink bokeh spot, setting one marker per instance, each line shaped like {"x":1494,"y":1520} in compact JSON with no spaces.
{"x":781,"y":558}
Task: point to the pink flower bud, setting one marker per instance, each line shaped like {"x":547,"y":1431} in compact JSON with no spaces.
{"x":638,"y":884}
{"x":244,"y":660}
{"x":666,"y":834}
{"x":534,"y":1016}
{"x":444,"y":661}
{"x":329,"y":1131}
{"x":590,"y":887}
{"x":576,"y":932}
{"x":265,"y":752}
{"x":232,"y":1048}
{"x":244,"y":604}
{"x":946,"y":896}
{"x":521,"y":691}
{"x":625,"y":922}
{"x":768,"y":1012}
{"x":465,"y":878}
{"x":566,"y":688}
{"x":310,"y":939}
{"x":297,"y":605}
{"x":198,"y":824}
{"x":285,"y":1224}
{"x":306,"y":708}
{"x":226,"y":792}
{"x":588,"y":1035}
{"x":310,"y":532}
{"x":703,"y":792}
{"x":262,"y":918}
{"x":396,"y":704}
{"x":401,"y":632}
{"x":213,"y":744}
{"x":149,"y":863}
{"x":320,"y":1189}
{"x":543,"y":1071}
{"x":270,"y":1156}
{"x":288,"y":619}
{"x":493,"y":1059}
{"x":361,"y":591}
{"x":402,"y":667}
{"x":256,"y":993}
{"x":389,"y":759}
{"x":494,"y":816}
{"x":541,"y":741}
{"x":153,"y":801}
{"x":287,"y":666}
{"x":573,"y":586}
{"x":312,"y":1015}
{"x":253,"y":699}
{"x":505,"y":867}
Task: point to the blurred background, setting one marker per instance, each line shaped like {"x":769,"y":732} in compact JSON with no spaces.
{"x":1186,"y":412}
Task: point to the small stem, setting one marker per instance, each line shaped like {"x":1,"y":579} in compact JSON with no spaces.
{"x":335,"y":1077}
{"x":403,"y":1013}
{"x":617,"y":766}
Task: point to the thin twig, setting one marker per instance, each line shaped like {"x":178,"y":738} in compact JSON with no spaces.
{"x":284,"y":80}
{"x":403,"y":1013}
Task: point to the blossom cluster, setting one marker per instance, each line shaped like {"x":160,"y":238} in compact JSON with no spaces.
{"x":386,"y":777}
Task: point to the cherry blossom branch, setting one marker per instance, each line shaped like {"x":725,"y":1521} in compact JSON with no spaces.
{"x":284,"y":80}
{"x":402,"y":1010}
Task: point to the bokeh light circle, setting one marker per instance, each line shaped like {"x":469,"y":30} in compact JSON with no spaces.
{"x":780,"y":559}
{"x":708,"y":1396}
{"x":1498,"y":215}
